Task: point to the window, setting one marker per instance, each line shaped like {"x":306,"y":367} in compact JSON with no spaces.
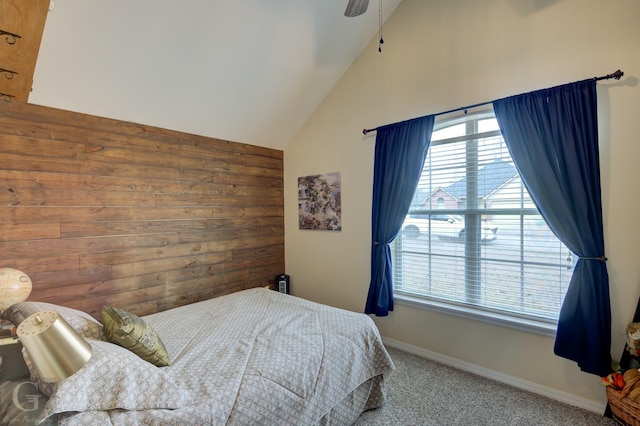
{"x":473,"y":241}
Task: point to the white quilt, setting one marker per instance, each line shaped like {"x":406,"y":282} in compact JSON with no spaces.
{"x":258,"y":357}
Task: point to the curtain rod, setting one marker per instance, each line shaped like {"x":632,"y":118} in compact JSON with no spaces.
{"x":616,"y":75}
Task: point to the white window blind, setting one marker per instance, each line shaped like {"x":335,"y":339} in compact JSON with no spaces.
{"x":473,"y":236}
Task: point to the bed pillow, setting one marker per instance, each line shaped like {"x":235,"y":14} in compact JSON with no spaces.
{"x":132,"y":332}
{"x":113,"y":378}
{"x":86,"y":325}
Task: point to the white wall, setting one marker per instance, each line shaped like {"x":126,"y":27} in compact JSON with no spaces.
{"x":444,"y":54}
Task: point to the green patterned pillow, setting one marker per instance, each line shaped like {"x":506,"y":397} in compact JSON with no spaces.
{"x":130,"y":331}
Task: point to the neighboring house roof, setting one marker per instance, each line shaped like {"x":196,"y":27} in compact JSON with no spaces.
{"x":490,"y":178}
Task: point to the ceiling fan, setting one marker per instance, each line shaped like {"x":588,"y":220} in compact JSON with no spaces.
{"x":356,"y":8}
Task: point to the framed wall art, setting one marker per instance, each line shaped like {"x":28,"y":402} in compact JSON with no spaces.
{"x":319,"y":202}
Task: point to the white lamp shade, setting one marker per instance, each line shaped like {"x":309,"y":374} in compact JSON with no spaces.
{"x":56,"y":350}
{"x":15,"y":286}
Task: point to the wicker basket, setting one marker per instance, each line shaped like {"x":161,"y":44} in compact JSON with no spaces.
{"x":623,"y":409}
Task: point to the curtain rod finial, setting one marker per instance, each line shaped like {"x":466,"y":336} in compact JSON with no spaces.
{"x":616,"y":75}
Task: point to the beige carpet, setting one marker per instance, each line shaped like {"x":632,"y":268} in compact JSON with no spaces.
{"x":424,"y":392}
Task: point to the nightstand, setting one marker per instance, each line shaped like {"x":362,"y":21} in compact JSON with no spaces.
{"x":12,"y":363}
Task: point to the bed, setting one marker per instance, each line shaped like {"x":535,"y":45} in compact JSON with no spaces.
{"x":255,"y":357}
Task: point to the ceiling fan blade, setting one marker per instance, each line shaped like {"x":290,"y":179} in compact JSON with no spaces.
{"x":356,"y":8}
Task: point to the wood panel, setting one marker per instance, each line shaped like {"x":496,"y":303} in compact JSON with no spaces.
{"x":103,"y":212}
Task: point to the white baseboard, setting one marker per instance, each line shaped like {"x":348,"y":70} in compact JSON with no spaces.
{"x":564,"y":397}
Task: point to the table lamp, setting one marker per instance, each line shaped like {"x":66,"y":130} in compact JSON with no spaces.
{"x":56,"y":350}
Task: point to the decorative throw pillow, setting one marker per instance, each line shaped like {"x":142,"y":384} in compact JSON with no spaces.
{"x":130,"y":331}
{"x":113,"y":378}
{"x":86,"y":325}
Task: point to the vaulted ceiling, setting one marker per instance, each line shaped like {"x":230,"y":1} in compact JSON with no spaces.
{"x":250,"y":71}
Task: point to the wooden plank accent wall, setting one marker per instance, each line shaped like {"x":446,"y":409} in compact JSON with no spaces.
{"x":104,"y":212}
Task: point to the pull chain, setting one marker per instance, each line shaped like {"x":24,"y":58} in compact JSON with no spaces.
{"x":381,"y":42}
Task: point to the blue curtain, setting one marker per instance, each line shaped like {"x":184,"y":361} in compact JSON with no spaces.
{"x":401,"y":149}
{"x":552,"y":135}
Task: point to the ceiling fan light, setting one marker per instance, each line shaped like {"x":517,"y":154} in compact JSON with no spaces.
{"x":356,"y":8}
